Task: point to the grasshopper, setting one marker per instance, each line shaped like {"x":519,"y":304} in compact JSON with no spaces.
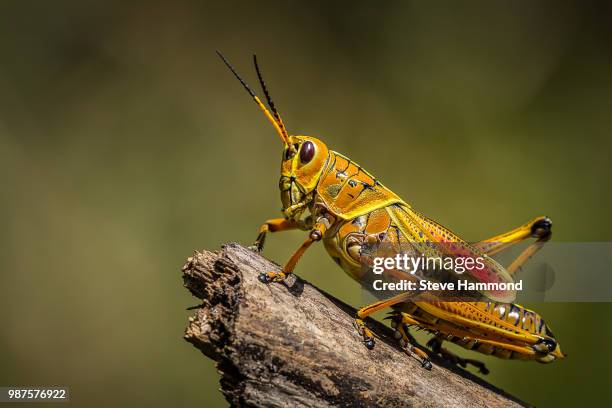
{"x":341,"y":204}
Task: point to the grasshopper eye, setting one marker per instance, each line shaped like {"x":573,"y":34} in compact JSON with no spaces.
{"x":307,"y":152}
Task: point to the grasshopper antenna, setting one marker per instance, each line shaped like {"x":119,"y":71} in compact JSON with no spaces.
{"x":275,"y":120}
{"x":268,"y":98}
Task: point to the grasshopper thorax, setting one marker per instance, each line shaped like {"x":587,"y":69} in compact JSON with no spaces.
{"x":302,"y":165}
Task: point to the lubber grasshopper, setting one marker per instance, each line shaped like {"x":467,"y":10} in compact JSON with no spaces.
{"x":348,"y":208}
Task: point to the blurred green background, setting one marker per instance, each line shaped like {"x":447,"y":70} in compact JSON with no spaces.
{"x":125,"y":144}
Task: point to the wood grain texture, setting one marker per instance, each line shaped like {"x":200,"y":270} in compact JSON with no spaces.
{"x":293,"y":345}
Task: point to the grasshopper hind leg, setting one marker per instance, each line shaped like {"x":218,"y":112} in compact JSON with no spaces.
{"x":408,"y":343}
{"x":435,"y":344}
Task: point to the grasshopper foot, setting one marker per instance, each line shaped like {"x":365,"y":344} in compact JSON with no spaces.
{"x":368,"y":338}
{"x":369,"y":343}
{"x":255,"y":248}
{"x":409,"y":344}
{"x":258,"y":244}
{"x":412,"y":350}
{"x":272,"y":277}
{"x":263,"y":277}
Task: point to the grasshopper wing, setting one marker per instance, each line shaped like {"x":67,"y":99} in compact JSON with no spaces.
{"x":431,"y":239}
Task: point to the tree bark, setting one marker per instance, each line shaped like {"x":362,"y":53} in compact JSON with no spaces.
{"x":293,"y":345}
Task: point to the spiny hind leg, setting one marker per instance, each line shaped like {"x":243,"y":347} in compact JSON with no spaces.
{"x":407,"y":341}
{"x":435,"y":344}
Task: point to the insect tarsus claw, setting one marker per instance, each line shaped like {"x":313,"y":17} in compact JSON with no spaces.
{"x":426,"y":364}
{"x":264,"y":278}
{"x":369,"y":343}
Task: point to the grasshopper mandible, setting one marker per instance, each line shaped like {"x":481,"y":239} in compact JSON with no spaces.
{"x":348,"y":207}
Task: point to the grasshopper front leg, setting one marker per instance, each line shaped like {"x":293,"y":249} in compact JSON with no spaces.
{"x":274,"y":225}
{"x":290,"y":222}
{"x":315,"y":235}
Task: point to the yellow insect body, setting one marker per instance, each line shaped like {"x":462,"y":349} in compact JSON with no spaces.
{"x":347,"y":208}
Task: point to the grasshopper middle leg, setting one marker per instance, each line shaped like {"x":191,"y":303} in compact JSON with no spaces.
{"x":407,"y":341}
{"x":368,"y":338}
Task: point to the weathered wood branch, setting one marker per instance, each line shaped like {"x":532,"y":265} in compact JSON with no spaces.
{"x":286,"y":345}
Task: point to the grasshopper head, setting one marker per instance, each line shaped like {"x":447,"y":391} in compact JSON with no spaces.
{"x":304,"y":158}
